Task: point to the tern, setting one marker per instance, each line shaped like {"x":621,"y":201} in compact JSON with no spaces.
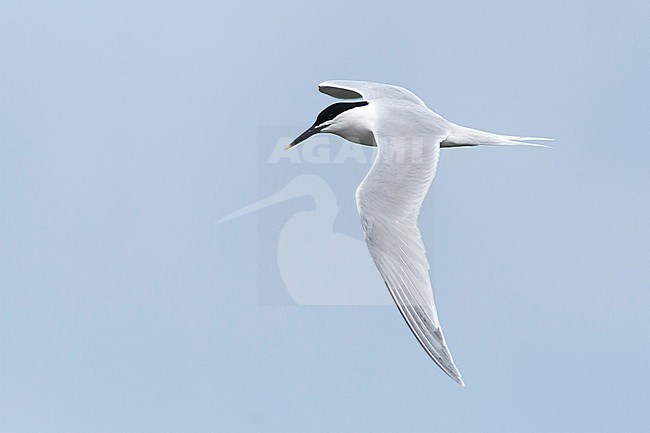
{"x":408,"y":136}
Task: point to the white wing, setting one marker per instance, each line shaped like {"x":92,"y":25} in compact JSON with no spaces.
{"x":367,"y":90}
{"x":389,"y":201}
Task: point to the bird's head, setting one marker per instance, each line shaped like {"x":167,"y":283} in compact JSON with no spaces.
{"x":336,"y":119}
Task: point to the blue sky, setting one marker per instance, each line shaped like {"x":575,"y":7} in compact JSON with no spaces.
{"x":127,"y":129}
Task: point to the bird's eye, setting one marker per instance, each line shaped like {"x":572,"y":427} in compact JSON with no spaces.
{"x":330,"y":117}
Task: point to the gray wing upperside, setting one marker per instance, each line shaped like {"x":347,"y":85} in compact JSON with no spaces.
{"x":346,"y":89}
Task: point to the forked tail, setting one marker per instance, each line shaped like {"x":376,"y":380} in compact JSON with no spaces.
{"x":461,"y":137}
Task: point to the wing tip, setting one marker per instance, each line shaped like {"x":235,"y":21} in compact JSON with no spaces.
{"x":339,"y":89}
{"x":454,"y":374}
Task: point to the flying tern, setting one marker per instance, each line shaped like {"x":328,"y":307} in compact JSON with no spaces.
{"x":408,"y":136}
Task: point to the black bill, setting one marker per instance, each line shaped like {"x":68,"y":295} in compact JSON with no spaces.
{"x":305,"y":135}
